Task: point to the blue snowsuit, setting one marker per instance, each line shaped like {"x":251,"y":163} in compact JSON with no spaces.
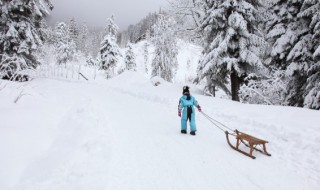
{"x":188,"y":112}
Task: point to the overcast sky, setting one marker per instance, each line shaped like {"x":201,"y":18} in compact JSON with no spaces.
{"x":96,"y":12}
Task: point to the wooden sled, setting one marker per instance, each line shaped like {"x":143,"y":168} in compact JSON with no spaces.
{"x":249,"y":141}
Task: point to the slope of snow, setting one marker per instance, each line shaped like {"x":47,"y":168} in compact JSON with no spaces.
{"x":124,"y":133}
{"x":188,"y":58}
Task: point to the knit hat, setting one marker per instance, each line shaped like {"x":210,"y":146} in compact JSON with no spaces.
{"x":186,"y":90}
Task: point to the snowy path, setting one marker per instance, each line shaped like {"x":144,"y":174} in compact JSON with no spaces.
{"x":124,"y":134}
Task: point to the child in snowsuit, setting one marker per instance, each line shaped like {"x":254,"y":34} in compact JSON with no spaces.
{"x":186,"y":104}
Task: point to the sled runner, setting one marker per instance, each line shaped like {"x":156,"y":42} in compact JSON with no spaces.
{"x":249,"y":141}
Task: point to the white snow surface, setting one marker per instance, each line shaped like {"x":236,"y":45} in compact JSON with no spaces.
{"x":124,"y":133}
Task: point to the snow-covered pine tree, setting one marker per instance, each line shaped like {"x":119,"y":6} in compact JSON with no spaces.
{"x":110,"y":50}
{"x":295,"y":43}
{"x":64,"y":45}
{"x":74,"y":31}
{"x":293,"y":32}
{"x":21,"y":34}
{"x":235,"y":43}
{"x":83,"y":39}
{"x":165,"y":61}
{"x":112,"y":28}
{"x":311,"y":11}
{"x":140,"y":30}
{"x":283,"y":31}
{"x":90,"y":61}
{"x":130,"y":59}
{"x":50,"y":36}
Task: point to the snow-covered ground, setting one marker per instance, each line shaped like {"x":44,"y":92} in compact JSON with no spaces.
{"x":124,"y":133}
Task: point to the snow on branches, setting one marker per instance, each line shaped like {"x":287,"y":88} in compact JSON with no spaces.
{"x":64,"y":45}
{"x":129,"y":59}
{"x":110,"y":50}
{"x":165,"y":61}
{"x":22,"y":31}
{"x":235,"y":43}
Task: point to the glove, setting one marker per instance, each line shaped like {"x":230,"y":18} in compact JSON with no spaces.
{"x":179,"y":113}
{"x":199,"y":108}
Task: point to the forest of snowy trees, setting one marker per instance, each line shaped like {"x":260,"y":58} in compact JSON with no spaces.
{"x":256,"y":51}
{"x":261,"y":51}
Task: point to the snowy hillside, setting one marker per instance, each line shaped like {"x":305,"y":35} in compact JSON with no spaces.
{"x":188,"y":59}
{"x":124,"y":133}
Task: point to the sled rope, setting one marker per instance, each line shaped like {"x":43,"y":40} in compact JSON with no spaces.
{"x":217,"y":123}
{"x":210,"y":118}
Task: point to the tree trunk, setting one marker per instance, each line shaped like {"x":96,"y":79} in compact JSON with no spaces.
{"x":212,"y":90}
{"x":235,"y":85}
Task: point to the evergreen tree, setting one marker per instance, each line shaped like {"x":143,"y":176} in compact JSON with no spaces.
{"x":130,"y":59}
{"x":309,"y":46}
{"x":50,"y":36}
{"x":235,"y":44}
{"x":112,"y":28}
{"x":90,"y":61}
{"x":139,"y":31}
{"x":74,"y":31}
{"x":22,"y":32}
{"x":83,"y":39}
{"x":64,"y":45}
{"x":165,"y":61}
{"x":110,"y":50}
{"x":283,"y":31}
{"x":293,"y":32}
